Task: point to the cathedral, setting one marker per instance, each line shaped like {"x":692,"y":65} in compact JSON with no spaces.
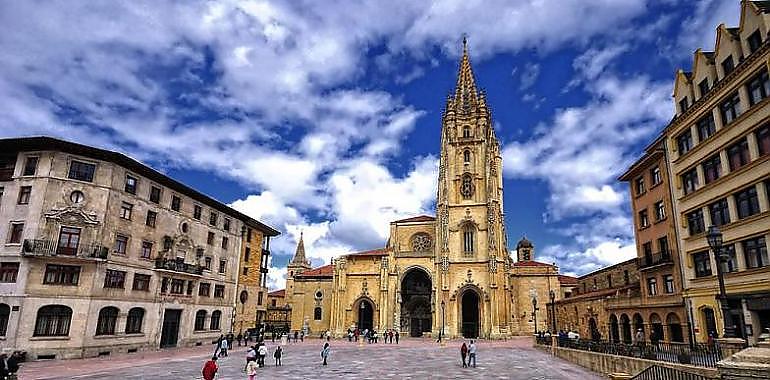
{"x":449,"y":274}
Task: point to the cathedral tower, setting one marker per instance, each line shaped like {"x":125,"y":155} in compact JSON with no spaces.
{"x":299,"y":263}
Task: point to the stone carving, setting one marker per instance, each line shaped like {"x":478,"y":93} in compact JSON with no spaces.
{"x":421,"y":242}
{"x":72,"y":215}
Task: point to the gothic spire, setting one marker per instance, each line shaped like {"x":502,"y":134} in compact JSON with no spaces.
{"x":299,"y":254}
{"x":465,"y":93}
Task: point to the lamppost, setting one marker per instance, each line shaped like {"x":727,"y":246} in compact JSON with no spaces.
{"x":534,"y":312}
{"x":552,"y":295}
{"x":714,"y":237}
{"x":443,"y":316}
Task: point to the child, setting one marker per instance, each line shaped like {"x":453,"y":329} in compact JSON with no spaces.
{"x":251,"y":370}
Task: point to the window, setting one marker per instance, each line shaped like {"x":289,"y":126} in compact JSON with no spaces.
{"x":207,"y":263}
{"x":216,"y":316}
{"x":167,"y":243}
{"x":77,"y":197}
{"x":154,"y":194}
{"x":82,"y":171}
{"x":640,"y":186}
{"x":134,"y":320}
{"x":24,"y":194}
{"x":663,"y":246}
{"x":317,"y":314}
{"x":759,"y":87}
{"x":655,"y":175}
{"x":197,"y":210}
{"x":121,"y":244}
{"x":747,"y":202}
{"x":626,"y":277}
{"x":245,"y":271}
{"x":730,"y":108}
{"x":115,"y":279}
{"x":647,"y":249}
{"x":720,"y":212}
{"x":69,"y":239}
{"x":763,"y":141}
{"x":8,"y":272}
{"x":224,"y":242}
{"x":247,"y":254}
{"x":190,"y":287}
{"x":152,"y":217}
{"x":706,"y":127}
{"x":660,"y":211}
{"x":177,"y":286}
{"x":652,"y":286}
{"x":755,"y":252}
{"x":5,"y":314}
{"x":668,"y":283}
{"x":466,"y":131}
{"x":728,"y":65}
{"x":702,"y":264}
{"x":644,"y":220}
{"x":213,"y":218}
{"x":259,"y":298}
{"x":222,"y":265}
{"x":200,"y":320}
{"x":467,"y":156}
{"x":61,"y":274}
{"x":146,"y":252}
{"x":53,"y":320}
{"x":108,"y":318}
{"x":468,"y":244}
{"x":176,"y":203}
{"x":130,"y":184}
{"x":14,"y":237}
{"x":30,"y":166}
{"x":684,"y":142}
{"x":125,"y":210}
{"x":141,"y":282}
{"x":683,"y":105}
{"x":703,"y":86}
{"x":210,"y":238}
{"x":204,"y":289}
{"x":754,"y":41}
{"x":690,"y":181}
{"x":609,"y":280}
{"x":695,"y":222}
{"x":731,"y":264}
{"x":248,"y":235}
{"x":219,"y":291}
{"x":466,"y":186}
{"x":738,"y":154}
{"x":712,"y":168}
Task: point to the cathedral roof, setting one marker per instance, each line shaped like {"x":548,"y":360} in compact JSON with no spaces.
{"x":531,"y":264}
{"x":372,"y":252}
{"x":324,"y":271}
{"x":278,"y":293}
{"x":419,"y":218}
{"x":524,"y":243}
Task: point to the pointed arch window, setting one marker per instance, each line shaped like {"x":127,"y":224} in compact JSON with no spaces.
{"x":466,"y":132}
{"x":469,"y":232}
{"x":466,"y":186}
{"x":467,"y":156}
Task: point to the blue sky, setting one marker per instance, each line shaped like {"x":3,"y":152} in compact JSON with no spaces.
{"x":324,"y":117}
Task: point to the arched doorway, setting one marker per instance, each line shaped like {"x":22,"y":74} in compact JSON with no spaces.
{"x":638,"y":323}
{"x":365,"y":315}
{"x":674,"y":328}
{"x":710,"y":321}
{"x":593,"y":330}
{"x":470,"y":314}
{"x":416,"y":313}
{"x":614,"y":332}
{"x":656,"y":325}
{"x":625,"y":328}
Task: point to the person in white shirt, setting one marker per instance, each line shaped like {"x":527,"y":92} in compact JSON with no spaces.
{"x":472,"y":354}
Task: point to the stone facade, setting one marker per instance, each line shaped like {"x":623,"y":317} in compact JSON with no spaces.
{"x":102,"y":254}
{"x":450,"y":273}
{"x":718,"y":146}
{"x":251,"y":305}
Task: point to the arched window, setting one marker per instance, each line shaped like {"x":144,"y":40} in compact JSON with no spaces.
{"x":674,"y":328}
{"x":467,"y":156}
{"x":709,"y":320}
{"x":466,"y":186}
{"x":134,"y":320}
{"x":216,"y":316}
{"x":5,"y":312}
{"x":53,"y":320}
{"x":108,"y":317}
{"x":468,"y":236}
{"x":200,"y":320}
{"x":317,"y":314}
{"x":466,"y":131}
{"x":421,"y":242}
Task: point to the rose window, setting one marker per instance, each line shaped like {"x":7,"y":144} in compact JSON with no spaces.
{"x":421,"y":243}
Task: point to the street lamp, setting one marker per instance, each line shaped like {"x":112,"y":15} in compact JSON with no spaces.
{"x":534,"y":312}
{"x":552,"y":295}
{"x":714,"y":237}
{"x":443,"y":316}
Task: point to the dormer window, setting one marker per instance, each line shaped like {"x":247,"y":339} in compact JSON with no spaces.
{"x":728,"y":65}
{"x":703,"y":86}
{"x":683,"y":104}
{"x":754,"y":41}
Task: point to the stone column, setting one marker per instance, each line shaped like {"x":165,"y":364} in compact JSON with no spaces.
{"x":717,"y":118}
{"x":762,"y":190}
{"x":743,"y":94}
{"x":751,"y":139}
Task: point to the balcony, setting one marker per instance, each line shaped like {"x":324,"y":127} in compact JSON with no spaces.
{"x":41,"y":247}
{"x":178,"y":265}
{"x":655,"y":259}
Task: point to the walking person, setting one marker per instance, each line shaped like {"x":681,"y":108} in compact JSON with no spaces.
{"x":325,"y":352}
{"x":210,"y":369}
{"x":296,"y":336}
{"x":397,"y":335}
{"x":464,"y":353}
{"x":472,"y":354}
{"x":261,"y":354}
{"x":239,"y":338}
{"x":277,"y":355}
{"x":223,"y":347}
{"x":251,"y":356}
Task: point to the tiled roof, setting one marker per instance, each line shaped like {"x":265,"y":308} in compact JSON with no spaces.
{"x":563,"y":279}
{"x":326,"y":270}
{"x":278,"y":293}
{"x":372,"y":252}
{"x":531,"y":264}
{"x":420,"y":218}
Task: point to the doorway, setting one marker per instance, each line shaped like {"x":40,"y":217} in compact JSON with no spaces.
{"x":470,"y":313}
{"x":416,"y":313}
{"x":365,"y":315}
{"x":170,"y":332}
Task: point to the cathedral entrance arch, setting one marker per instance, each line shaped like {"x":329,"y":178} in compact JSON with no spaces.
{"x":470,"y":313}
{"x":416,"y":313}
{"x":365,"y":315}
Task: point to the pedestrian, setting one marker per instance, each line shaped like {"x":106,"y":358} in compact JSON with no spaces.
{"x":210,"y":369}
{"x":223,"y":347}
{"x":296,"y":336}
{"x":239,"y":338}
{"x":472,"y":354}
{"x":277,"y":355}
{"x":391,"y":336}
{"x":261,"y":354}
{"x":325,"y":352}
{"x":397,"y":335}
{"x":218,"y":343}
{"x":356,"y":334}
{"x":639,"y":337}
{"x":302,"y":336}
{"x":3,"y":371}
{"x":251,"y":355}
{"x":464,"y":353}
{"x":251,"y":370}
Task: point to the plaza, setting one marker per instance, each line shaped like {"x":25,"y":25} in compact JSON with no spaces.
{"x":411,"y":359}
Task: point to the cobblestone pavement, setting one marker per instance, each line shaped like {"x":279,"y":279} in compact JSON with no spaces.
{"x":412,"y":359}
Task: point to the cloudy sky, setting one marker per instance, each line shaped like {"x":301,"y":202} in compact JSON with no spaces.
{"x":324,"y":117}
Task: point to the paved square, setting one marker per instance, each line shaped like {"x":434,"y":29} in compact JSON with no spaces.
{"x":412,"y":359}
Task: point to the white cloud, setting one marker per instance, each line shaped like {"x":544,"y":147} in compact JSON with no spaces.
{"x":529,"y":75}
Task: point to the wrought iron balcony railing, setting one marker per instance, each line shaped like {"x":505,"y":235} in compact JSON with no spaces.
{"x":177,"y":265}
{"x":647,"y":261}
{"x":43,"y":247}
